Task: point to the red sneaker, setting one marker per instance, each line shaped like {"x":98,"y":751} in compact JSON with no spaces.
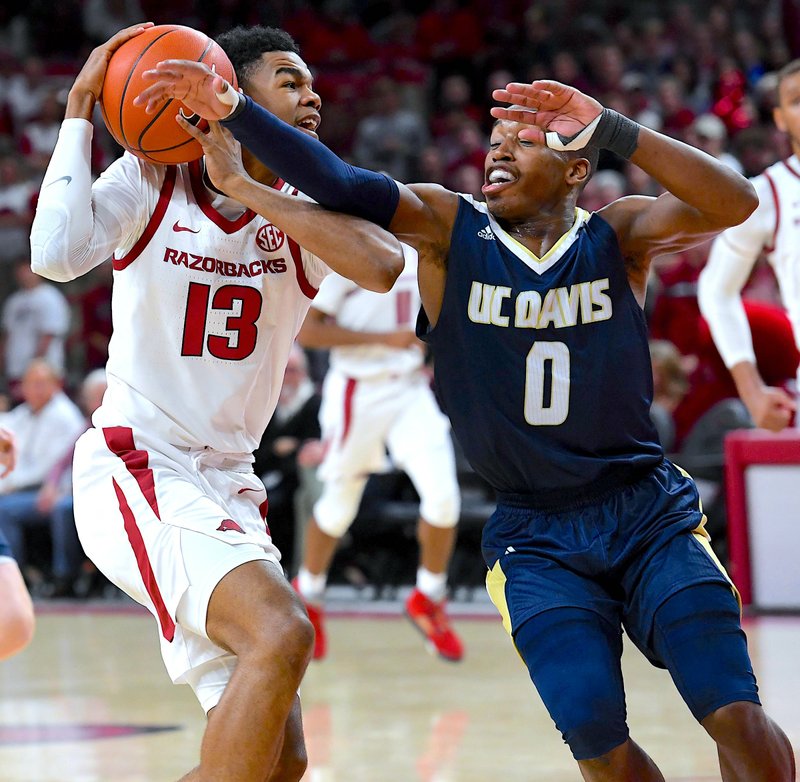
{"x":316,"y":613}
{"x":430,"y":619}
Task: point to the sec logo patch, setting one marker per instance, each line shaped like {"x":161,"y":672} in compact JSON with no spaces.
{"x":270,"y":238}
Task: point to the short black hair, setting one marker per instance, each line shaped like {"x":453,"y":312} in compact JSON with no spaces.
{"x":245,"y":45}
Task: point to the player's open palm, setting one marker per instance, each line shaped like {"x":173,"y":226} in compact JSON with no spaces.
{"x":193,"y":83}
{"x":548,"y":107}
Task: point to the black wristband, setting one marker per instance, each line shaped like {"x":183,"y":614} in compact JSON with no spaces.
{"x":617,"y":133}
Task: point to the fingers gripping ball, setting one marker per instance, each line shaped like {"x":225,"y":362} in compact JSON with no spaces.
{"x":155,"y":137}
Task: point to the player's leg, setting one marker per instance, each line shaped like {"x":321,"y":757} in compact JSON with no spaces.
{"x":254,"y":614}
{"x":16,"y":609}
{"x":420,"y":444}
{"x":333,"y":514}
{"x":682,"y":612}
{"x":573,"y":657}
{"x":698,"y":636}
{"x":292,"y":761}
{"x":354,"y":427}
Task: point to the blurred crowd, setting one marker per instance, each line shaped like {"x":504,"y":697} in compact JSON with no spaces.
{"x":406,"y":88}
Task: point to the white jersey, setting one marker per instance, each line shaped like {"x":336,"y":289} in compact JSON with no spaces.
{"x":357,"y":309}
{"x":774,"y":229}
{"x":207,"y":299}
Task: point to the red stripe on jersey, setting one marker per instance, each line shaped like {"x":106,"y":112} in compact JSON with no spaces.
{"x":164,"y":197}
{"x":775,"y":198}
{"x":204,"y":202}
{"x":308,"y":289}
{"x":791,"y":168}
{"x":120,"y":442}
{"x":143,"y":562}
{"x":349,"y":393}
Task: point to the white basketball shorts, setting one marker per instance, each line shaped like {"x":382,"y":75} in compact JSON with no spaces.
{"x":363,"y":419}
{"x":165,"y":525}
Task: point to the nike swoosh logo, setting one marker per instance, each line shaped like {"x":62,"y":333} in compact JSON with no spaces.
{"x":242,"y":491}
{"x":177,"y":228}
{"x":66,"y":179}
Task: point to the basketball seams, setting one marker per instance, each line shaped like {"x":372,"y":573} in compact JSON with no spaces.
{"x":133,"y":128}
{"x":157,"y":116}
{"x":131,"y":74}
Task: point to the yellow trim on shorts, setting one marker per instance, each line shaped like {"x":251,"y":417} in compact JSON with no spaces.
{"x":704,"y":539}
{"x":496,"y":587}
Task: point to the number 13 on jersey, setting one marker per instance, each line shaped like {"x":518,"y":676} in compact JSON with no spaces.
{"x":547,"y":384}
{"x":244,"y":304}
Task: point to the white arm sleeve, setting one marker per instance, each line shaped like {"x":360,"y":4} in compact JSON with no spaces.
{"x":730,"y":263}
{"x":78,"y":225}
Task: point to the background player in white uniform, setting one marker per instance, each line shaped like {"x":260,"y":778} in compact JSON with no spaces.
{"x":376,"y":396}
{"x":772,"y":228}
{"x":207,"y":300}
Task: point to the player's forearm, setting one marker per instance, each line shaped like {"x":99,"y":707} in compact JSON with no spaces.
{"x":80,"y":104}
{"x":323,"y":335}
{"x":353,"y":247}
{"x":748,"y":380}
{"x":61,"y":246}
{"x":313,"y":168}
{"x":699,"y":180}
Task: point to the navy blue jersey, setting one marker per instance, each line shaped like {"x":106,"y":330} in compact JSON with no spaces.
{"x":543,"y":364}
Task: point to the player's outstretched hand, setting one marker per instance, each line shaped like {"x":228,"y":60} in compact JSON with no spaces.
{"x":548,"y":107}
{"x":8,"y":452}
{"x":193,"y":83}
{"x":771,"y":408}
{"x":89,"y":83}
{"x":223,"y":155}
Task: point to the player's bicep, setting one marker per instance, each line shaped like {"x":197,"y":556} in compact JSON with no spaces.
{"x":656,"y":226}
{"x":425,"y":216}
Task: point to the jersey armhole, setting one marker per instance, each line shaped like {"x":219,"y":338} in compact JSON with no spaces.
{"x":164,"y":197}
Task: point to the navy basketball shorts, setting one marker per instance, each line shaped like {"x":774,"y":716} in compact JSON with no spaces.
{"x":567,"y":582}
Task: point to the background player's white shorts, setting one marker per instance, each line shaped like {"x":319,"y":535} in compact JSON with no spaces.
{"x":165,"y":525}
{"x":360,"y":421}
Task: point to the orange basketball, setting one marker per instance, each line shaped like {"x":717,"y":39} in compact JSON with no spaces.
{"x":155,"y":137}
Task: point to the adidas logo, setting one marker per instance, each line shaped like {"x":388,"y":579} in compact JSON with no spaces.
{"x":486,"y":233}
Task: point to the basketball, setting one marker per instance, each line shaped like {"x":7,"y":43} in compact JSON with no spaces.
{"x":155,"y":137}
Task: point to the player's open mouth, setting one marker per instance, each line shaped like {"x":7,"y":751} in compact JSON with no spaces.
{"x":497,"y":179}
{"x":309,"y":123}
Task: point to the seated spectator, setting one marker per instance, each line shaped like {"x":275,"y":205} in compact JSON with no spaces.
{"x":391,"y":137}
{"x":603,"y":188}
{"x":294,"y":424}
{"x":708,"y":133}
{"x":45,"y":427}
{"x":670,"y":384}
{"x":54,"y":502}
{"x":17,"y":197}
{"x":35,"y":321}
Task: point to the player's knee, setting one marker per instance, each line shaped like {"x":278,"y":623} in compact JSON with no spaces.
{"x":593,"y":734}
{"x":441,"y":510}
{"x":737,"y":724}
{"x":335,"y":510}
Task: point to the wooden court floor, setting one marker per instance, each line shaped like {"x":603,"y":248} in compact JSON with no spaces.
{"x":89,"y":701}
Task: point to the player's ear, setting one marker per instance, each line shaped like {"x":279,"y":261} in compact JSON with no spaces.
{"x":578,"y":171}
{"x":777,"y":116}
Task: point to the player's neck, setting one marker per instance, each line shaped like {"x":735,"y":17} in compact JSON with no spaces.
{"x":257,"y":170}
{"x":538,"y":233}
